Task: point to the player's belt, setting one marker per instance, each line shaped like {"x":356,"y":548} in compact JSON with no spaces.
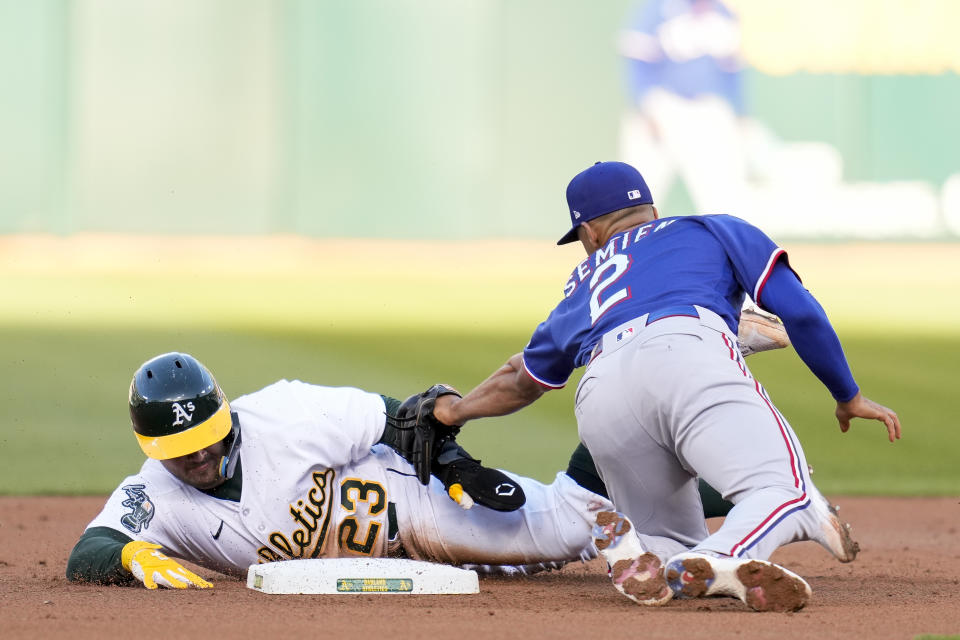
{"x":683,"y":310}
{"x":678,"y":311}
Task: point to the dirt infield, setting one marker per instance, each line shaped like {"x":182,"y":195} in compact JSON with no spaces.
{"x":905,"y":583}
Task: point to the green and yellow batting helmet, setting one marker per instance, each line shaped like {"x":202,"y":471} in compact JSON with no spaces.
{"x":177,"y":407}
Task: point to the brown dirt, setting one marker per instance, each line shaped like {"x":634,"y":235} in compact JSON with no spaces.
{"x":906,"y":582}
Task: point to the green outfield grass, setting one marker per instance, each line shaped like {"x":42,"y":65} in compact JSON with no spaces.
{"x":74,"y":328}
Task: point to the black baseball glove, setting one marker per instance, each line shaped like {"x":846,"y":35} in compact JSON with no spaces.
{"x":431,"y":447}
{"x":414,"y":430}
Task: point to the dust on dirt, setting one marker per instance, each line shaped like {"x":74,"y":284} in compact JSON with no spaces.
{"x":905,"y":582}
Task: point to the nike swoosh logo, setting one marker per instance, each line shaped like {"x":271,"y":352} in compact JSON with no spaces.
{"x":216,"y":536}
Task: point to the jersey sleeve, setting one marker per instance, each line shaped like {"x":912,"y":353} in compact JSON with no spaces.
{"x":131,"y":510}
{"x":142,"y":508}
{"x":345,"y":421}
{"x":392,"y":405}
{"x":545,"y":359}
{"x":146,"y":507}
{"x":96,"y":557}
{"x":810,"y":331}
{"x":751,"y":252}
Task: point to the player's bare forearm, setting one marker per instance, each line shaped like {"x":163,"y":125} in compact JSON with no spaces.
{"x":508,"y":389}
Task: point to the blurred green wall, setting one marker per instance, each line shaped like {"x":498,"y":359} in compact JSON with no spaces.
{"x":441,"y":118}
{"x":401,"y":118}
{"x":33,"y":115}
{"x":887,"y":127}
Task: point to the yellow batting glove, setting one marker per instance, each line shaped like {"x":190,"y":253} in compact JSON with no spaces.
{"x":153,"y":568}
{"x":458,"y":495}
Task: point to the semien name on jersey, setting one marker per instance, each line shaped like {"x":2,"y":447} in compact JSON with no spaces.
{"x":601,"y":255}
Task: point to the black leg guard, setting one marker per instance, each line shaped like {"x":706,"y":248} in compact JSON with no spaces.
{"x":488,"y":487}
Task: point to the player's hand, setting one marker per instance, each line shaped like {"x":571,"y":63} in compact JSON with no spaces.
{"x":414,"y":430}
{"x":862,"y":407}
{"x":151,"y":567}
{"x":443,"y":409}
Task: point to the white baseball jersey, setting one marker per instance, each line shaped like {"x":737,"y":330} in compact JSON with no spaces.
{"x":315,"y":485}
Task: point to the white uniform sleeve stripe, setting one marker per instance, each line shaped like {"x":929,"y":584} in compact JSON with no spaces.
{"x":540,"y":381}
{"x":766,"y":273}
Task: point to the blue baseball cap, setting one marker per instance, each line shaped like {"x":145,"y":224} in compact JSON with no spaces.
{"x":601,"y":189}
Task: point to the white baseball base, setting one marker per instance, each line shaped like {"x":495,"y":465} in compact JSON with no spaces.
{"x":361,"y":575}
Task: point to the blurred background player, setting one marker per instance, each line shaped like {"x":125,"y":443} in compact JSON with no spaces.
{"x":684,"y":89}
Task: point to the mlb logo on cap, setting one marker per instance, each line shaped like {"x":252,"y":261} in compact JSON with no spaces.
{"x":603,"y":188}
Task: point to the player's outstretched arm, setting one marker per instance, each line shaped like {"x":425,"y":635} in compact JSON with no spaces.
{"x":862,"y":407}
{"x":810,"y":331}
{"x":508,"y":389}
{"x":96,"y":557}
{"x":105,"y":556}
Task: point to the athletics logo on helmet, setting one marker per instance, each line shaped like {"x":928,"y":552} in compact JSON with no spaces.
{"x":179,"y":415}
{"x":177,"y":407}
{"x":603,"y":188}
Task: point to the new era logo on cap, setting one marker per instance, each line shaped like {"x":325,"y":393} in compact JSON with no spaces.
{"x":576,"y":214}
{"x":633,"y":195}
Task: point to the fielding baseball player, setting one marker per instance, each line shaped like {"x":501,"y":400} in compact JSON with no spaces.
{"x":666,"y":396}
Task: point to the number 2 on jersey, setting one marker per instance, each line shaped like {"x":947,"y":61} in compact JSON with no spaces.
{"x":603,"y":278}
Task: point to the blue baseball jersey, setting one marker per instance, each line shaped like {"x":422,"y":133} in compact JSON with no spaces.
{"x":712,"y":261}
